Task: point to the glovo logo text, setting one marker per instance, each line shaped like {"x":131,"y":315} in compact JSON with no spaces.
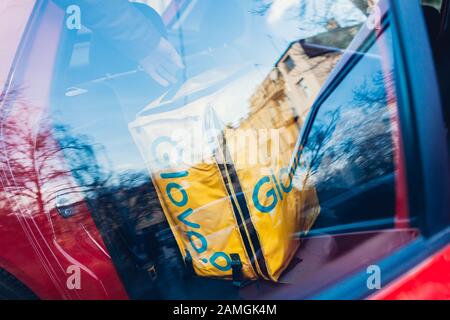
{"x":179,"y":197}
{"x":270,"y":190}
{"x":279,"y":186}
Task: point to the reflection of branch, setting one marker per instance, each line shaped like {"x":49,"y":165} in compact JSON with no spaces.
{"x":54,"y":196}
{"x":361,"y":147}
{"x":25,"y":191}
{"x":37,"y":160}
{"x":317,"y":63}
{"x":261,"y":7}
{"x":322,"y":136}
{"x":319,"y":137}
{"x":315,"y":17}
{"x":47,"y":156}
{"x":373,"y":91}
{"x":362,"y":5}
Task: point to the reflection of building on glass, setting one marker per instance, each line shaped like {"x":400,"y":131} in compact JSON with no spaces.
{"x":269,"y":110}
{"x":289,"y":63}
{"x":301,"y":84}
{"x":269,"y":107}
{"x":285,"y":96}
{"x":313,"y":59}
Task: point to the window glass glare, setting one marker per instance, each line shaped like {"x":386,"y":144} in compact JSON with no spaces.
{"x":157,"y":135}
{"x":349,"y":156}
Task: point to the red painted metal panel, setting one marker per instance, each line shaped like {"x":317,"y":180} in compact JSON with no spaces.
{"x":430,"y":280}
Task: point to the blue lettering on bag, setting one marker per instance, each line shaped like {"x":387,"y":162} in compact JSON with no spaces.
{"x":276,"y":192}
{"x":204,"y":243}
{"x":277,"y":185}
{"x":286,"y":189}
{"x":224,"y":256}
{"x":184,"y":196}
{"x":270,"y":193}
{"x":174,"y":175}
{"x":183,"y":216}
{"x":166,"y":158}
{"x":219,"y":260}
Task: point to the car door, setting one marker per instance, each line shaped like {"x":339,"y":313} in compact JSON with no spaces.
{"x":360,"y":150}
{"x":56,"y":253}
{"x":367,"y":147}
{"x":351,"y":154}
{"x":98,"y":94}
{"x":419,"y":199}
{"x":424,"y":274}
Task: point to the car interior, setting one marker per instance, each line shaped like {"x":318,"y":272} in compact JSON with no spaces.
{"x":100,"y":83}
{"x":92,"y":76}
{"x":439,"y":33}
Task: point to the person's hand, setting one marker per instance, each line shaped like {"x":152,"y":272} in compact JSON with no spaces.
{"x":163,"y":63}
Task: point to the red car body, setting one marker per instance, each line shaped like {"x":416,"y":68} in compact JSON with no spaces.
{"x":38,"y":247}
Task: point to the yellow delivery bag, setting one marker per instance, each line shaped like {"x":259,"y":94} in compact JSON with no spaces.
{"x":232,"y":218}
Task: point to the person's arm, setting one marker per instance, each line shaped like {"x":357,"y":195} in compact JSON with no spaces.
{"x":125,"y":27}
{"x":128,"y":30}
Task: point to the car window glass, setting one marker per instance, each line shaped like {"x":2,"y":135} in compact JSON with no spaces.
{"x":351,"y":152}
{"x":253,"y":69}
{"x":434,"y":3}
{"x":11,"y":33}
{"x":262,"y":72}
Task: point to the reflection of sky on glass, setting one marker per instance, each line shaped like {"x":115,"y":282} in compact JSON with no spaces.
{"x":363,"y":73}
{"x":294,"y":19}
{"x":351,"y":116}
{"x":254,"y":40}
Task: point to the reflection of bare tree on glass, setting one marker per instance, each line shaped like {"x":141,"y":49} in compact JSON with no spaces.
{"x":349,"y":154}
{"x":320,"y":11}
{"x":352,"y":144}
{"x":316,"y":147}
{"x":373,"y":91}
{"x":42,"y":160}
{"x":33,"y":153}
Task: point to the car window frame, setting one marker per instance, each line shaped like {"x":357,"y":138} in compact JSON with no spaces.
{"x":434,"y":226}
{"x":21,"y":52}
{"x":21,"y":65}
{"x":328,"y":89}
{"x":430,"y":220}
{"x":22,"y":29}
{"x":426,"y":153}
{"x":352,"y":55}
